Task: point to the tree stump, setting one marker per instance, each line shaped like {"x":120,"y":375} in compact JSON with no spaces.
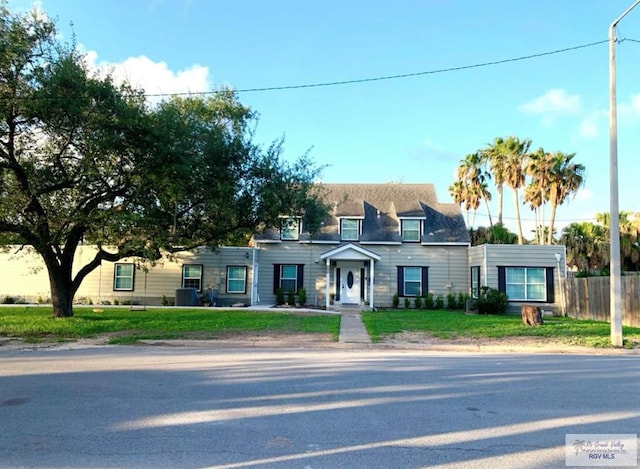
{"x":531,"y":315}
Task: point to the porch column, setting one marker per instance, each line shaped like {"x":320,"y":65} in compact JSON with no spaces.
{"x":371,"y":275}
{"x":328,"y":285}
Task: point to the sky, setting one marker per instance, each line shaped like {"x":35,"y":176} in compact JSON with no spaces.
{"x":412,"y":129}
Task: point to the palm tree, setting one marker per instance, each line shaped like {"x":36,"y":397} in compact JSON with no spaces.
{"x":538,"y":169}
{"x":472,"y":171}
{"x":587,"y":245}
{"x":565,"y":178}
{"x":459,"y":191}
{"x":515,"y":154}
{"x":492,"y":154}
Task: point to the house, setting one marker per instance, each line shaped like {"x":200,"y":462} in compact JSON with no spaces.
{"x":378,"y":240}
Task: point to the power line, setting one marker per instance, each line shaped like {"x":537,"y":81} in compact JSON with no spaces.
{"x":397,"y":76}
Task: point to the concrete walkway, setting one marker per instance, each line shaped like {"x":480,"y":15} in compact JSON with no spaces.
{"x":352,"y":330}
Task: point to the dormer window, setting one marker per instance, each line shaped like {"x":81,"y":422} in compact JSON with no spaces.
{"x":350,"y":229}
{"x":411,"y":230}
{"x":289,"y":228}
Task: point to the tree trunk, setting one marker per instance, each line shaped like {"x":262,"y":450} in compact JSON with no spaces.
{"x":486,"y":202}
{"x":552,"y":220}
{"x":62,"y":291}
{"x":531,"y":315}
{"x":516,"y":201}
{"x":499,"y":190}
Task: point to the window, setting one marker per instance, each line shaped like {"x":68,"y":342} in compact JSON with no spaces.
{"x":410,"y":230}
{"x":527,"y":283}
{"x":413,"y":281}
{"x":123,"y":277}
{"x":192,"y":276}
{"x":475,"y":282}
{"x":289,"y":228}
{"x":237,"y":279}
{"x":350,"y":229}
{"x":289,"y":277}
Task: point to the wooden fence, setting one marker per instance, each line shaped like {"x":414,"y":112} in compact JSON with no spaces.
{"x":588,"y":298}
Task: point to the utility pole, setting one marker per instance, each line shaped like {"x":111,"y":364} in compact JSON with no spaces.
{"x":615,"y":300}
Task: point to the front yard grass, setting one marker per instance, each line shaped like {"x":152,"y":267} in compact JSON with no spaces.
{"x":35,"y":324}
{"x":454,"y":324}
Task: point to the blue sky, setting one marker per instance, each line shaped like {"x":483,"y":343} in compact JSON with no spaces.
{"x":413,"y":129}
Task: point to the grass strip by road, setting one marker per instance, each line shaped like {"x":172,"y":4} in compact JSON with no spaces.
{"x":35,"y":324}
{"x":454,"y":324}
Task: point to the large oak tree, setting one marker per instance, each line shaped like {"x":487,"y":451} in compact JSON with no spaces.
{"x":86,"y":160}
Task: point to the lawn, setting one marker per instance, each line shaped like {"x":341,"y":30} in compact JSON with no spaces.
{"x":454,"y":324}
{"x":36,"y":324}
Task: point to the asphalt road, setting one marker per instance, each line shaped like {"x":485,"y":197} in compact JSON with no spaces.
{"x":186,"y":407}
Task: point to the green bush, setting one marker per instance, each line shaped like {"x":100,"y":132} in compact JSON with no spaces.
{"x":491,"y":301}
{"x":452,"y":303}
{"x":407,"y":303}
{"x":279,"y":296}
{"x":462,"y":300}
{"x":439,"y":303}
{"x":291,"y":298}
{"x":395,"y":301}
{"x":428,"y":301}
{"x":418,"y":302}
{"x":302,"y":296}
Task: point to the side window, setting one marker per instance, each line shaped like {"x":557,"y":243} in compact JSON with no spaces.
{"x":123,"y":276}
{"x":192,"y":276}
{"x":290,"y":228}
{"x":475,"y":281}
{"x":410,"y":230}
{"x":413,"y":281}
{"x":527,"y":283}
{"x":289,"y":277}
{"x":350,"y":229}
{"x":236,"y":279}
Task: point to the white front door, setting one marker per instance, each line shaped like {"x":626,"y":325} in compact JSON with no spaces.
{"x":350,"y":283}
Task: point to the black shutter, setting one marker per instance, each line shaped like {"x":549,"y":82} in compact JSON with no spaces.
{"x":551,"y":297}
{"x":502,"y":279}
{"x":362,"y":287}
{"x":337,"y":297}
{"x":425,"y":280}
{"x":400,"y":281}
{"x":300,"y":277}
{"x":276,"y":278}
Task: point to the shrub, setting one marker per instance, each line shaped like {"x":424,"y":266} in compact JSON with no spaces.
{"x":395,"y":301}
{"x":165,"y":300}
{"x":418,"y":302}
{"x":407,"y":303}
{"x":279,"y":296}
{"x":439,"y":303}
{"x":491,"y":301}
{"x":462,"y":300}
{"x":428,"y":301}
{"x":302,"y":296}
{"x":291,"y":298}
{"x":9,"y":300}
{"x":451,"y":301}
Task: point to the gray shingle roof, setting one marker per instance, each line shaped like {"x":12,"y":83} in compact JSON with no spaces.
{"x":382,"y":206}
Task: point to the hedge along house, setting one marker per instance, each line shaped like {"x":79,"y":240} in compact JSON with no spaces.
{"x":378,"y":240}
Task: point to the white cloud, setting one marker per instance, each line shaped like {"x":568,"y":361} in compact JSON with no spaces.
{"x":155,"y":78}
{"x":630,"y":109}
{"x":583,"y":195}
{"x":589,"y":126}
{"x":553,"y":104}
